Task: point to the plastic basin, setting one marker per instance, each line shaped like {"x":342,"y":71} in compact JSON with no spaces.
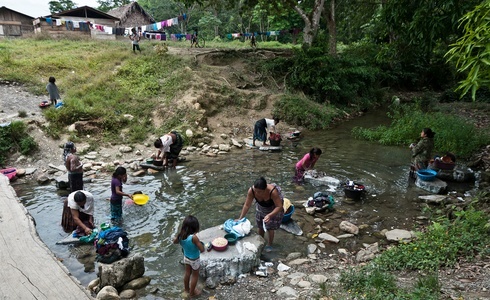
{"x":141,"y":199}
{"x":288,"y":214}
{"x":220,"y":244}
{"x":426,"y":174}
{"x":231,"y":238}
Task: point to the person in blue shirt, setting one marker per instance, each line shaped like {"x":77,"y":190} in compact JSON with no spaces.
{"x":192,"y":248}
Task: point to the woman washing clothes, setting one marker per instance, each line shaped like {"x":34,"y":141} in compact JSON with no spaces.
{"x":269,"y":209}
{"x":307,"y":163}
{"x":422,"y":151}
{"x":169,"y":147}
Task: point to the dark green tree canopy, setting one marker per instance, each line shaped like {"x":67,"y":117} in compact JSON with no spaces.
{"x":61,"y":5}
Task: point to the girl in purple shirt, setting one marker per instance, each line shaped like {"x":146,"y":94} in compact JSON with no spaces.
{"x":118,"y":178}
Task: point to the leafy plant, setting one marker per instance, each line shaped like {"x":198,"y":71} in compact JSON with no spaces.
{"x":14,"y":137}
{"x":453,"y":134}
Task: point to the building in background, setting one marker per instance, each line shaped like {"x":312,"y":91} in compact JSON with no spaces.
{"x":14,"y":24}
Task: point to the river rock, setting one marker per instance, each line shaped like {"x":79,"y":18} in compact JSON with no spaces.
{"x":108,"y":293}
{"x":236,"y":143}
{"x":30,"y":171}
{"x":128,"y":294}
{"x":241,"y":258}
{"x":349,"y":227}
{"x":327,"y":237}
{"x":435,"y":186}
{"x":137,"y":283}
{"x":398,"y":235}
{"x":287,"y":292}
{"x":122,"y":271}
{"x":125,"y":149}
{"x":436,"y":199}
{"x":42,"y":179}
{"x":20,"y":172}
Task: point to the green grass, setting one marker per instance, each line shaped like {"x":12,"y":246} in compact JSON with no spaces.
{"x":442,"y":244}
{"x":453,"y":133}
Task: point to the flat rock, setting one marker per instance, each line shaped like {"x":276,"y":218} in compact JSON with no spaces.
{"x":219,"y":266}
{"x":398,"y":235}
{"x":435,"y":186}
{"x":433,"y":198}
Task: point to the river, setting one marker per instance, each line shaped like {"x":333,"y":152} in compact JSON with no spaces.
{"x":214,"y":189}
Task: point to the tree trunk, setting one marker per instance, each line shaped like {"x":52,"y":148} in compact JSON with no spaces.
{"x":332,"y":30}
{"x":312,"y":22}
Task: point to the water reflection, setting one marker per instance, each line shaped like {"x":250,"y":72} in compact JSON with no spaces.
{"x":214,"y":189}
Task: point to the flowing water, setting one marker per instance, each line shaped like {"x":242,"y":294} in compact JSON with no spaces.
{"x":214,"y":189}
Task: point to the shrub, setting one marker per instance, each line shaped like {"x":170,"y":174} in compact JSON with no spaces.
{"x":15,"y":138}
{"x":453,"y":134}
{"x":304,"y":112}
{"x":22,"y":114}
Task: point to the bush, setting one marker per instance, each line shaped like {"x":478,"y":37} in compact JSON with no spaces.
{"x":304,"y":112}
{"x":453,"y":134}
{"x":443,"y":243}
{"x":15,"y":138}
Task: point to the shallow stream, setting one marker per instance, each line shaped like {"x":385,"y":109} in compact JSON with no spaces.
{"x":214,"y":189}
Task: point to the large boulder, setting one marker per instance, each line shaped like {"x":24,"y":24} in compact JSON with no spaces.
{"x":225,"y":266}
{"x":121,"y":272}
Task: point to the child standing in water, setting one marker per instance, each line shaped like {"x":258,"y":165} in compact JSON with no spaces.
{"x":118,"y":178}
{"x":192,"y":247}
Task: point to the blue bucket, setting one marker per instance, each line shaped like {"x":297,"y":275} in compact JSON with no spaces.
{"x":287,"y":216}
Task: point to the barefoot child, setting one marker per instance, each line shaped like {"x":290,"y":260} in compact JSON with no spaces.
{"x":192,"y":246}
{"x":118,"y":178}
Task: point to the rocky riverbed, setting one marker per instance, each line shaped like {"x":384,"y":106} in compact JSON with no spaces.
{"x":295,"y":277}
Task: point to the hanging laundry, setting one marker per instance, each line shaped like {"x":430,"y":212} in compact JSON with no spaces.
{"x":175,"y":21}
{"x":49,"y":21}
{"x":76,"y":24}
{"x":58,"y":22}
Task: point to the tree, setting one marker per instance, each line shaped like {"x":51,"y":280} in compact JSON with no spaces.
{"x":61,"y":5}
{"x":309,"y":10}
{"x":471,"y":52}
{"x":110,"y":4}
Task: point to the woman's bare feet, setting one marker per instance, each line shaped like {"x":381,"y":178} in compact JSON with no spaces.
{"x":196,"y":293}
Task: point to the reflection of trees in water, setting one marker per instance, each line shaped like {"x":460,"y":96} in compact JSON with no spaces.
{"x":85,"y":254}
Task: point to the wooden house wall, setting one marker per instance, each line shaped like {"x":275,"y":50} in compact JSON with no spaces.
{"x":14,"y":24}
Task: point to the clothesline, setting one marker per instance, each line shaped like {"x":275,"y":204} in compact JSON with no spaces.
{"x":146,"y":30}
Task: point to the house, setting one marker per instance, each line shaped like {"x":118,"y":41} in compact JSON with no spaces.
{"x":81,"y":21}
{"x":14,"y":24}
{"x":131,"y":15}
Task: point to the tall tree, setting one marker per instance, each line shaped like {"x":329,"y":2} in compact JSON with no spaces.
{"x":61,"y":5}
{"x":106,"y":5}
{"x":471,"y":52}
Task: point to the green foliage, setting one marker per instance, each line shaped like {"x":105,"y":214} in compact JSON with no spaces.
{"x":345,"y":80}
{"x":453,"y":134}
{"x":15,"y":138}
{"x":471,"y":53}
{"x":22,"y":114}
{"x":373,"y":282}
{"x":61,"y":5}
{"x":304,"y":112}
{"x":442,"y":244}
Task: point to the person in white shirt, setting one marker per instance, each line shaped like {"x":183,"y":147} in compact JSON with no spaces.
{"x":169,"y":147}
{"x":261,"y":128}
{"x":81,"y":204}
